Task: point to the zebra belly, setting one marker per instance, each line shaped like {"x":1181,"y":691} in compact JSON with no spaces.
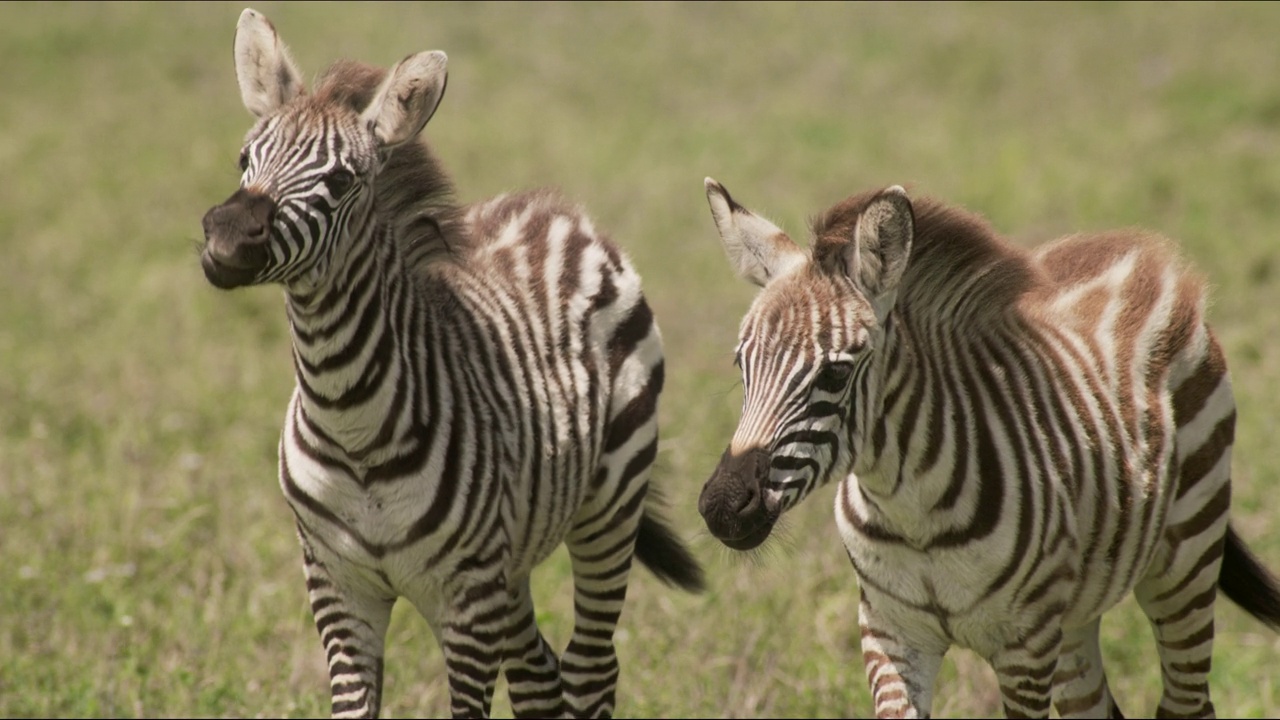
{"x":935,"y":599}
{"x":366,"y":536}
{"x":970,"y":594}
{"x":370,"y":537}
{"x":943,"y":595}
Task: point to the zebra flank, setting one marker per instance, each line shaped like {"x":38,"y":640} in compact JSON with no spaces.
{"x":1020,"y":439}
{"x":475,"y":386}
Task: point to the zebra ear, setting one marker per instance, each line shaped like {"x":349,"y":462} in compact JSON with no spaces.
{"x":758,"y":249}
{"x":881,"y":245}
{"x":267,"y":76}
{"x":408,"y":98}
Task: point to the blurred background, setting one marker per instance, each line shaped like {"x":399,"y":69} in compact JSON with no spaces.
{"x":148,"y":563}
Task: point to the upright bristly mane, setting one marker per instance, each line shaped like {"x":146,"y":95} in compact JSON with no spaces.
{"x":413,"y":194}
{"x":959,"y":267}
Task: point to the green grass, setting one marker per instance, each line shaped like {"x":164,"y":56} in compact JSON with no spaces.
{"x":148,"y":564}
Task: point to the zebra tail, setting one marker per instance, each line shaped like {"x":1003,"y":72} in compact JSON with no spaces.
{"x":658,"y":549}
{"x":1247,"y":582}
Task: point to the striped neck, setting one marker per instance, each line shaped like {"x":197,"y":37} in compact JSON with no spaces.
{"x":927,"y":463}
{"x":346,"y":340}
{"x":893,"y":399}
{"x":868,"y":424}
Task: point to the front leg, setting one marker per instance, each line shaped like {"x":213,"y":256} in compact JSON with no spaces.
{"x":1026,"y":667}
{"x":901,"y":673}
{"x":353,"y":628}
{"x":532,"y":669}
{"x":477,"y":624}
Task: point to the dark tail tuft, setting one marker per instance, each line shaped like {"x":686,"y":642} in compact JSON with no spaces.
{"x":1249,"y":585}
{"x":658,"y":549}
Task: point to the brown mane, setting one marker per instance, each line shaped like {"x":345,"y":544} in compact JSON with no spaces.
{"x":349,"y":83}
{"x":413,"y":193}
{"x":951,"y":247}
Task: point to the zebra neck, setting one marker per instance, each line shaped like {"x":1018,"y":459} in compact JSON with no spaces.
{"x":346,"y":350}
{"x":888,"y":400}
{"x":915,"y":460}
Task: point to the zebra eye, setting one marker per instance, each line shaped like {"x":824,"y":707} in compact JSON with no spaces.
{"x":244,"y":160}
{"x":339,"y":182}
{"x":833,"y":376}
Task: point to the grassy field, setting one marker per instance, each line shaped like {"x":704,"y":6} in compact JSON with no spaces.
{"x":148,"y":564}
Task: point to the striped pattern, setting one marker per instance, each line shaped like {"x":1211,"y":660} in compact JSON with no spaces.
{"x":1021,"y":440}
{"x":475,"y":386}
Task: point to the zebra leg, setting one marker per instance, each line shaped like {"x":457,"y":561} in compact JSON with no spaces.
{"x":601,"y":553}
{"x":1080,"y":683}
{"x":532,"y":670}
{"x":602,"y":541}
{"x":1026,"y":667}
{"x":473,"y":635}
{"x":1179,"y":587}
{"x":353,"y":628}
{"x":901,"y":673}
{"x":1179,"y":604}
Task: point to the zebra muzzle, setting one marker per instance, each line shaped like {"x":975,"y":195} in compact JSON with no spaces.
{"x":733,"y":504}
{"x":236,"y":237}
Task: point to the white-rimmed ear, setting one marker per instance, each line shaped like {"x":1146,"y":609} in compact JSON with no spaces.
{"x":758,"y":249}
{"x":408,"y":98}
{"x":877,"y":257}
{"x":267,"y":76}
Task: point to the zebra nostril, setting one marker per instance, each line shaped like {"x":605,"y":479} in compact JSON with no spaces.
{"x":270,"y":218}
{"x":749,"y":501}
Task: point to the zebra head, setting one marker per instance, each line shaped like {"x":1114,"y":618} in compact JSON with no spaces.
{"x":804,"y":350}
{"x":310,"y":162}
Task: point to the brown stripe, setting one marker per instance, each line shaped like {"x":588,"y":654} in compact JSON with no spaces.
{"x":1190,"y":397}
{"x":1197,"y":465}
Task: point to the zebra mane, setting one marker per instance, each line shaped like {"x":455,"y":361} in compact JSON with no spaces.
{"x":951,"y":248}
{"x":413,"y":194}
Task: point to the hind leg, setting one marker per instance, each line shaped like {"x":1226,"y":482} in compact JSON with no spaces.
{"x":1080,"y":684}
{"x":1180,"y":608}
{"x":601,"y":553}
{"x":601,"y":546}
{"x":1180,"y":584}
{"x":1177,"y":597}
{"x":602,"y":540}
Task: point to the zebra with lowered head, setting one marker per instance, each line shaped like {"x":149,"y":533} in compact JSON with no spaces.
{"x":475,"y":386}
{"x":1020,"y":439}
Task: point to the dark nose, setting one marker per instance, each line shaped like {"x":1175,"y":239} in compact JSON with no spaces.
{"x":246,"y":217}
{"x":236,"y":235}
{"x":734,"y":489}
{"x":731,"y":503}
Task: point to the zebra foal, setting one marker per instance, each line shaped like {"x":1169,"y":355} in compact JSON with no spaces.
{"x":1020,"y":440}
{"x":475,"y":385}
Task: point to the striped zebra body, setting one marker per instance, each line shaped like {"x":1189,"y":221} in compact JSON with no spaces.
{"x":1020,"y":439}
{"x":538,"y":370}
{"x":475,"y":386}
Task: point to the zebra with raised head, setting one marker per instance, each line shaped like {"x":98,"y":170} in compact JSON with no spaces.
{"x":1020,"y":440}
{"x":475,"y":385}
